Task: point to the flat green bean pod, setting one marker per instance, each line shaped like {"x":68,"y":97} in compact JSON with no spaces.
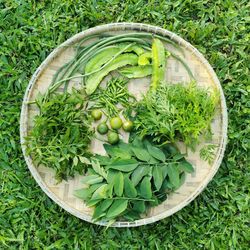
{"x":136,"y":71}
{"x":94,"y":80}
{"x":158,"y":62}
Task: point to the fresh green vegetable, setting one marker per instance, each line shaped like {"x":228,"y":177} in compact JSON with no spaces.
{"x":113,"y":137}
{"x":136,"y":71}
{"x":116,"y":122}
{"x":100,"y":54}
{"x":94,"y":80}
{"x":176,"y":112}
{"x":158,"y":63}
{"x":102,"y":128}
{"x":96,"y":114}
{"x":127,"y":126}
{"x":101,"y":58}
{"x":127,"y":186}
{"x":108,"y":98}
{"x":145,"y":59}
{"x":61,"y":134}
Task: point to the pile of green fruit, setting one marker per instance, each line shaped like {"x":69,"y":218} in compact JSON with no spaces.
{"x":115,"y":124}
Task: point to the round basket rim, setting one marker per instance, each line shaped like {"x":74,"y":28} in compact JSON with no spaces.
{"x":121,"y":27}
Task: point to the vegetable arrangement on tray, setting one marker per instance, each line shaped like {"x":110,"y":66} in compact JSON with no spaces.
{"x":137,"y":174}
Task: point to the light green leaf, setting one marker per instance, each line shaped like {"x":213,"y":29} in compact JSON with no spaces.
{"x":129,"y":188}
{"x":119,"y":206}
{"x":82,"y":193}
{"x":75,"y":160}
{"x":124,"y":165}
{"x":139,"y":173}
{"x":101,"y":192}
{"x":84,"y":160}
{"x":145,"y":188}
{"x":118,"y":184}
{"x":98,"y":169}
{"x":111,"y":175}
{"x":92,"y":202}
{"x":91,"y":179}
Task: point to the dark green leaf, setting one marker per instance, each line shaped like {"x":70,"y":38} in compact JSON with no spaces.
{"x":165,"y":170}
{"x":118,"y":206}
{"x":137,"y":142}
{"x":129,"y":188}
{"x":103,"y":160}
{"x":141,"y":153}
{"x":139,"y":206}
{"x":178,"y":157}
{"x":116,"y":152}
{"x":186,"y":166}
{"x":173,"y":174}
{"x":155,"y":201}
{"x":101,"y":208}
{"x":131,"y":215}
{"x":157,"y":176}
{"x":109,"y":149}
{"x":156,"y":152}
{"x":145,"y":188}
{"x":124,"y":165}
{"x":118,"y":183}
{"x":139,"y":173}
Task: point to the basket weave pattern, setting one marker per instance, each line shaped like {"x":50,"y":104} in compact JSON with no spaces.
{"x":63,"y":193}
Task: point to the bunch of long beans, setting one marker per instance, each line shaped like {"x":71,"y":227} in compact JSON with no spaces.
{"x":85,"y":53}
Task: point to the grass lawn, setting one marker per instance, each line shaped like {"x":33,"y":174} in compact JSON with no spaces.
{"x":219,"y":217}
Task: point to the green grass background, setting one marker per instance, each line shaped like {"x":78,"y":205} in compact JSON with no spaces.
{"x":218,"y":218}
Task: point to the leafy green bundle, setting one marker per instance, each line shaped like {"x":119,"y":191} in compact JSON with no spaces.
{"x":61,"y":134}
{"x":131,"y":179}
{"x":176,"y":112}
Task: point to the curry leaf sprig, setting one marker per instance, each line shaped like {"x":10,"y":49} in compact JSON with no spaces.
{"x":132,"y":178}
{"x":61,"y":134}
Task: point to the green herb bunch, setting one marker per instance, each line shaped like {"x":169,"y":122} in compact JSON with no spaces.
{"x":113,"y":95}
{"x":61,"y":134}
{"x":131,"y":179}
{"x":176,"y":112}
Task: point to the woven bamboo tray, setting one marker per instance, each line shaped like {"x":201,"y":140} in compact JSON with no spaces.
{"x":62,"y":193}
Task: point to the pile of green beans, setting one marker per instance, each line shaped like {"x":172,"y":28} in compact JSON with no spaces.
{"x":85,"y":53}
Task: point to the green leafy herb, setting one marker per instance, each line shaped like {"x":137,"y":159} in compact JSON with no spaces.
{"x":61,"y":134}
{"x":176,"y":112}
{"x":207,"y":153}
